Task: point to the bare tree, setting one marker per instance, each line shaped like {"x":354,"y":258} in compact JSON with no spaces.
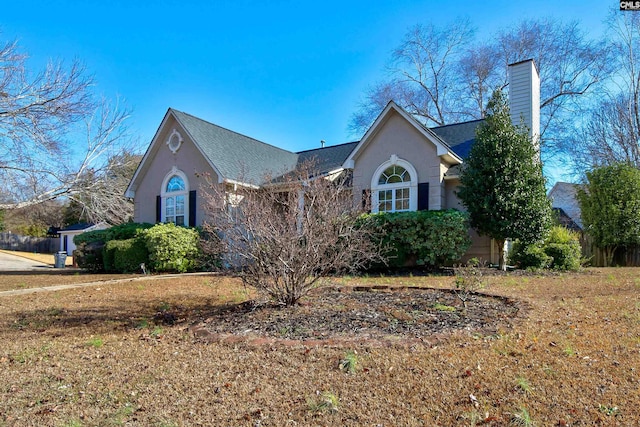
{"x":285,"y":237}
{"x":610,"y":132}
{"x":422,"y":75}
{"x":480,"y":73}
{"x":101,"y":195}
{"x":43,"y":119}
{"x":610,"y":135}
{"x":442,"y":75}
{"x":571,"y":67}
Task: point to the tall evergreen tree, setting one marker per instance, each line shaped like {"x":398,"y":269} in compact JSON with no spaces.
{"x":610,"y":206}
{"x":502,"y":186}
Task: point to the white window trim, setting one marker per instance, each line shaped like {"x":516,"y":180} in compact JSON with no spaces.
{"x":164,"y":194}
{"x":174,"y":148}
{"x":413,"y":184}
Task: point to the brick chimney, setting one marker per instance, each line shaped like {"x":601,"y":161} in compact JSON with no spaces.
{"x":524,"y":96}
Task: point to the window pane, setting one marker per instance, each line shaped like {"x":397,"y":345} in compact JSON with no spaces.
{"x":169,"y":209}
{"x":402,"y":205}
{"x":180,"y":220}
{"x":383,"y":178}
{"x":175,"y":184}
{"x":402,"y":199}
{"x":179,"y":205}
{"x":394,"y":174}
{"x":169,"y":219}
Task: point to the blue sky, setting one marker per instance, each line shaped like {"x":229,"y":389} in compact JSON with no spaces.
{"x":285,"y":72}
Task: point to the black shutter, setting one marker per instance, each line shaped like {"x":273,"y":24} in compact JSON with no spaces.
{"x":192,"y":208}
{"x":158,"y":209}
{"x":366,"y":200}
{"x":423,"y":196}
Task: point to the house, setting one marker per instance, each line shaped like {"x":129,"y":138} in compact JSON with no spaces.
{"x":68,"y":233}
{"x":398,"y":165}
{"x":565,"y":203}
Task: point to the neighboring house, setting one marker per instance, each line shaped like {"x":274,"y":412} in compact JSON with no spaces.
{"x":398,"y":165}
{"x":565,"y":202}
{"x":67,"y":234}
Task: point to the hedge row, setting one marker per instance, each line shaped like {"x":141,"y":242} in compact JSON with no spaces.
{"x":123,"y":248}
{"x":423,"y":238}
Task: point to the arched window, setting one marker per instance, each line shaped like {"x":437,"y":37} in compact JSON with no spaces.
{"x":175,"y":198}
{"x":394,"y":187}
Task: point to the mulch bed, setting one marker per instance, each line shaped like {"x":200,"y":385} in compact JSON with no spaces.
{"x":363,"y":313}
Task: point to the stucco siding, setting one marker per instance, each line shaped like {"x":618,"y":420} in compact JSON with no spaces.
{"x":398,"y":137}
{"x":452,"y":200}
{"x":162,"y":160}
{"x":482,"y":248}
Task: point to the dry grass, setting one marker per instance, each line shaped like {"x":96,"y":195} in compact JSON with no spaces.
{"x":20,"y":280}
{"x":102,"y":356}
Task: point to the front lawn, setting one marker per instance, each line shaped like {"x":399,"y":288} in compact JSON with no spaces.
{"x":129,"y":354}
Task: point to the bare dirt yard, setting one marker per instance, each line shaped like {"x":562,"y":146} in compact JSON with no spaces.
{"x":553,"y":350}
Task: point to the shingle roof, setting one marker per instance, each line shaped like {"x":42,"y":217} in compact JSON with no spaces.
{"x":242,"y":158}
{"x":328,"y":158}
{"x":565,"y":220}
{"x":459,"y":136}
{"x":79,"y":226}
{"x":236,"y":156}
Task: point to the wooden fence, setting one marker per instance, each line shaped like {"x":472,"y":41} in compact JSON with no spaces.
{"x":623,"y":257}
{"x":16,"y":242}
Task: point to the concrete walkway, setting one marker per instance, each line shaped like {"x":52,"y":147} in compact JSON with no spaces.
{"x":103,"y":282}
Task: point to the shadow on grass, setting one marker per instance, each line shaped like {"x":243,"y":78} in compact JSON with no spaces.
{"x":135,"y":315}
{"x":411,"y":313}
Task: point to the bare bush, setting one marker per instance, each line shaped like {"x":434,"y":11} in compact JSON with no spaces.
{"x":287,"y":235}
{"x":468,"y":279}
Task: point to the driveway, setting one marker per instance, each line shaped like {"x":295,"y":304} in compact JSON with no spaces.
{"x":16,"y":263}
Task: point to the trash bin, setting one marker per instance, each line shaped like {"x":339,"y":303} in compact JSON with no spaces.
{"x":60,"y":259}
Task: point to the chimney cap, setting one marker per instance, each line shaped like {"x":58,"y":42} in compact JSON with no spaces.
{"x":523,"y":61}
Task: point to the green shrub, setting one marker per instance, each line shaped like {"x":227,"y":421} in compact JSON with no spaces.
{"x":431,"y":238}
{"x":126,"y":231}
{"x":171,"y":248}
{"x":560,"y":251}
{"x":529,"y":257}
{"x":108,"y":256}
{"x":128,"y":254}
{"x":89,"y":255}
{"x":563,"y":246}
{"x":90,"y":237}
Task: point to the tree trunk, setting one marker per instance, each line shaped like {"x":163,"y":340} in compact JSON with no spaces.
{"x":502,"y":255}
{"x":609,"y":252}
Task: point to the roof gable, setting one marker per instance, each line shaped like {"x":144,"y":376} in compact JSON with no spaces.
{"x":234,"y":157}
{"x":237,"y":157}
{"x":442,"y":148}
{"x":241,"y":159}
